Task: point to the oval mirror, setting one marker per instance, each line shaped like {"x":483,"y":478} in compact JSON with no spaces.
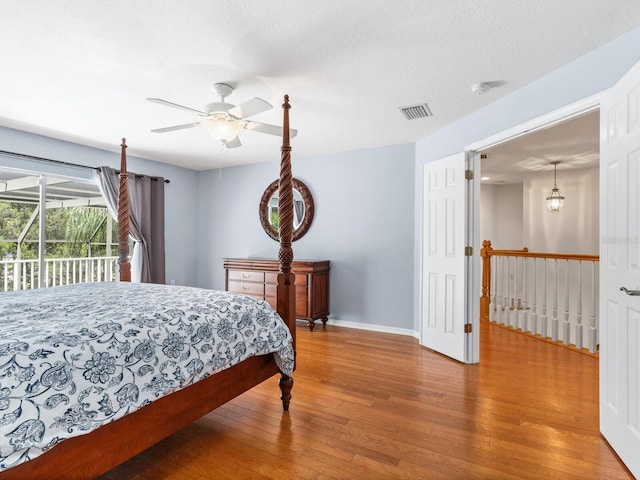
{"x":302,"y":209}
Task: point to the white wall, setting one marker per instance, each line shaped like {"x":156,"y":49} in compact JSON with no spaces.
{"x":574,"y":229}
{"x":180,"y":194}
{"x":501,"y":210}
{"x":516,"y":216}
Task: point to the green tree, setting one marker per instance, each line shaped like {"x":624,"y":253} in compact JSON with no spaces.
{"x":69,"y":231}
{"x":85,"y":226}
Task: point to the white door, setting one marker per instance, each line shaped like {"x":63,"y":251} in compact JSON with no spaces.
{"x":443,"y":300}
{"x":620,"y":268}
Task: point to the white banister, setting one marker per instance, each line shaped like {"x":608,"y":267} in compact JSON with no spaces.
{"x":523,"y":294}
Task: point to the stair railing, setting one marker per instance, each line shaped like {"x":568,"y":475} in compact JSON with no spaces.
{"x":518,"y":285}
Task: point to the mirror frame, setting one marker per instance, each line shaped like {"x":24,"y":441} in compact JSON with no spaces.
{"x":304,"y":192}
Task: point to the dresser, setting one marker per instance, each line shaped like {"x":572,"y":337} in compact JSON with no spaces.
{"x":258,"y":277}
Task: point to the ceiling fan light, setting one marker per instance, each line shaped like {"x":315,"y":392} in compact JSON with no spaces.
{"x":222,"y":130}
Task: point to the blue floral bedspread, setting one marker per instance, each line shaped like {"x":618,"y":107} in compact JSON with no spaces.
{"x":75,"y":357}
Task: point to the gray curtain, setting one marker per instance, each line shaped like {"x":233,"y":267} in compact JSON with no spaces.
{"x":146,"y":208}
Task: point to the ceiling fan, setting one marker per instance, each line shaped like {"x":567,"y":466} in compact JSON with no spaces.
{"x":223,"y":121}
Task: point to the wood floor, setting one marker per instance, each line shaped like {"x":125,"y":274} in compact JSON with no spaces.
{"x":378,"y":406}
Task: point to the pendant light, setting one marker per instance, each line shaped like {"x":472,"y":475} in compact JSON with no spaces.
{"x":555,"y":200}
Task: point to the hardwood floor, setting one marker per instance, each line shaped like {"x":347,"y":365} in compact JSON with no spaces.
{"x":378,"y":406}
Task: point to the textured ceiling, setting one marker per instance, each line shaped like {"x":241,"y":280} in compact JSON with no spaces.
{"x":574,"y":143}
{"x":80,"y":70}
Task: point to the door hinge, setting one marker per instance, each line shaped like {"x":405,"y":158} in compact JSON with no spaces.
{"x":468,"y":251}
{"x":468,"y":174}
{"x":468,"y":328}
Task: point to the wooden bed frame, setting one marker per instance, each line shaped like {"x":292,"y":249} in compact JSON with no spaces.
{"x":95,"y":453}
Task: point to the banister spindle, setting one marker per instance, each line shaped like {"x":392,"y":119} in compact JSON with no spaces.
{"x":534,"y":299}
{"x":492,"y":296}
{"x":566,"y":326}
{"x":593,"y":336}
{"x":543,"y":322}
{"x":554,"y":319}
{"x":579,"y":327}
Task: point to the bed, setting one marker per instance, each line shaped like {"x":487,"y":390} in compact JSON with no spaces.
{"x":153,"y":358}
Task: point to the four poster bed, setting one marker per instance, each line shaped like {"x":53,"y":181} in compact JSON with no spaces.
{"x":177,"y":331}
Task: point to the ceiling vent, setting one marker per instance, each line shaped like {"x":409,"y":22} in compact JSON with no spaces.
{"x":416,"y":111}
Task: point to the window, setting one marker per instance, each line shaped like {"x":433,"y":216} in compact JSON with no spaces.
{"x":74,"y":241}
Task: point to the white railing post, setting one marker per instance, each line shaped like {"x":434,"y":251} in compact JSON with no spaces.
{"x":524,"y":314}
{"x":504,"y":313}
{"x":593,"y":334}
{"x":579,"y":327}
{"x":16,"y":276}
{"x":534,"y":305}
{"x":492,"y":292}
{"x":566,"y":326}
{"x":515,"y":298}
{"x":543,"y":323}
{"x":554,"y":319}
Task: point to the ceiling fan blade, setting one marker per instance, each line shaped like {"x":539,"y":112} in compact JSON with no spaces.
{"x":270,"y":129}
{"x":250,"y":107}
{"x":175,"y":105}
{"x":176,"y":127}
{"x":233,"y":143}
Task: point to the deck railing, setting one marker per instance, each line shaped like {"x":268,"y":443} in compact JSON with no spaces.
{"x":25,"y":274}
{"x":547,"y":294}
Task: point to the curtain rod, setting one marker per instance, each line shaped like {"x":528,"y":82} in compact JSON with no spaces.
{"x":60,"y":162}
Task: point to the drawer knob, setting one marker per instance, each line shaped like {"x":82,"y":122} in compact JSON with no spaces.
{"x":245,"y":275}
{"x":245,"y":287}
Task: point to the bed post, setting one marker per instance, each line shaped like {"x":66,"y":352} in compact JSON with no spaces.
{"x":286,"y":289}
{"x":123,"y":218}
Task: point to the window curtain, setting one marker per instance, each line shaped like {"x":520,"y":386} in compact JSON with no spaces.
{"x":146,"y":206}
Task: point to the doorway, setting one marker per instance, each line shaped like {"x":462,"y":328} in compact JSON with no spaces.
{"x":551,"y":128}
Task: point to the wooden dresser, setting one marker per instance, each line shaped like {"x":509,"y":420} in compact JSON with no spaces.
{"x":258,"y":277}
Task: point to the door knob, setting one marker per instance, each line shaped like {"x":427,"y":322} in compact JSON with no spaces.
{"x":633,"y":293}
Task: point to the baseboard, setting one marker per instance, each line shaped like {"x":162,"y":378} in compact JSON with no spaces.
{"x":371,"y":327}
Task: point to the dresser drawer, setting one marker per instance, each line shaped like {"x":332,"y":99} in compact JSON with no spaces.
{"x":246,"y":276}
{"x":270,"y":290}
{"x":271,"y":300}
{"x":272,"y":278}
{"x":248,"y":288}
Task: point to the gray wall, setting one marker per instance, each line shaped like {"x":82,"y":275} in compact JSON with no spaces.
{"x":180,"y":194}
{"x":586,"y":76}
{"x":363,"y":224}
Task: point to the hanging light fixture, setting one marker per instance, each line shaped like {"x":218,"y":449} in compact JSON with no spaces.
{"x":555,"y":200}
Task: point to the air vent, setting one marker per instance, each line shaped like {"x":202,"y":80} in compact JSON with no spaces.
{"x":416,"y":111}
